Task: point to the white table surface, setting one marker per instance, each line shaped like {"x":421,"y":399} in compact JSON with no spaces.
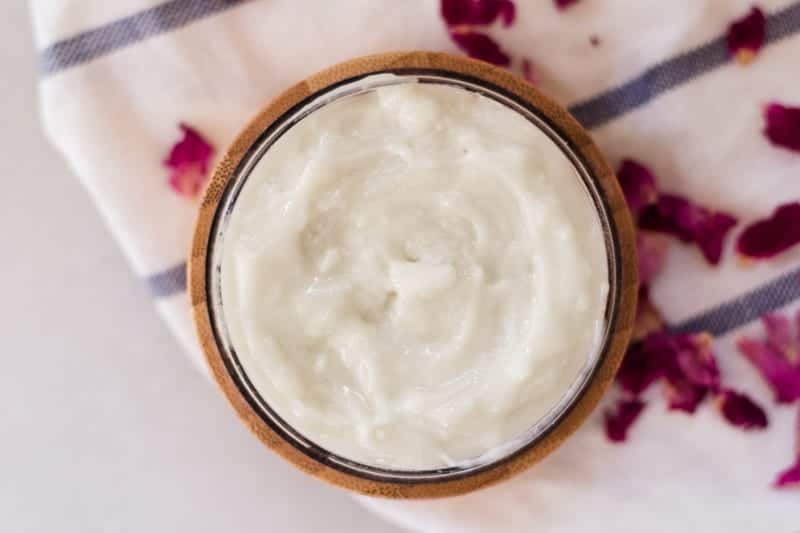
{"x":105,"y":425}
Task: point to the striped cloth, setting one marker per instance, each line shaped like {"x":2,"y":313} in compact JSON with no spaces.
{"x":117,"y":77}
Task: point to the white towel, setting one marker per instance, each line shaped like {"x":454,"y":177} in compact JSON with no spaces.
{"x":118,"y":77}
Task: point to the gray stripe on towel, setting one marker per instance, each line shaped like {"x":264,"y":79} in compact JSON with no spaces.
{"x":674,"y":72}
{"x":168,"y":282}
{"x":123,"y":32}
{"x":748,"y":307}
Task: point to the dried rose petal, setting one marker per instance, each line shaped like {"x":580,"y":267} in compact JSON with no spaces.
{"x":528,"y":72}
{"x":789,"y":477}
{"x":683,"y":396}
{"x":770,"y":236}
{"x":741,"y":411}
{"x":618,"y":421}
{"x":648,"y":318}
{"x":640,"y":368}
{"x":189,"y":161}
{"x":775,"y":368}
{"x":480,"y":46}
{"x":678,"y":216}
{"x":651,"y":252}
{"x":696,"y":361}
{"x":477,"y":12}
{"x":564,"y":4}
{"x":639,"y":185}
{"x":746,"y":36}
{"x":780,"y":335}
{"x":782,"y":125}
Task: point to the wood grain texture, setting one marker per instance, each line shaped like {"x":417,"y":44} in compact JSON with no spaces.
{"x":601,"y":174}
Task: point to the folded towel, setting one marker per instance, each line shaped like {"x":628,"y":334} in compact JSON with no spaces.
{"x":652,"y":80}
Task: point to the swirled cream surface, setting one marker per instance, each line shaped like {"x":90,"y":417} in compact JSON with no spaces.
{"x":413,"y":277}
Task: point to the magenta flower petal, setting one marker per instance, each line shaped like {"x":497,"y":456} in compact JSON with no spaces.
{"x":741,"y":411}
{"x":683,"y":396}
{"x":782,"y":126}
{"x":780,"y":335}
{"x":618,"y":421}
{"x":789,"y":477}
{"x":770,"y":236}
{"x":564,"y":4}
{"x":678,"y":216}
{"x":641,"y":367}
{"x":477,"y":12}
{"x":746,"y":36}
{"x":696,"y":361}
{"x":639,"y":185}
{"x":775,"y":368}
{"x":651,"y":252}
{"x":480,"y":46}
{"x":189,"y":162}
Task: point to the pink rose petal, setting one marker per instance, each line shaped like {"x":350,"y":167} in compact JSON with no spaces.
{"x":782,"y":125}
{"x":639,"y":185}
{"x":780,"y":335}
{"x":775,"y":368}
{"x":696,"y":361}
{"x":477,"y":12}
{"x":678,"y":216}
{"x":770,"y":236}
{"x":641,"y":367}
{"x":564,"y":4}
{"x":683,"y":396}
{"x":741,"y":411}
{"x":746,"y":36}
{"x":619,"y":420}
{"x":480,"y":46}
{"x":189,"y":162}
{"x":789,"y":477}
{"x":651,"y":252}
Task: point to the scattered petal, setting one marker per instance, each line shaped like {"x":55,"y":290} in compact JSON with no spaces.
{"x":770,"y":236}
{"x":618,"y":421}
{"x":648,"y":318}
{"x":789,"y":477}
{"x":780,"y":335}
{"x":683,"y":396}
{"x":678,"y":216}
{"x":640,"y":368}
{"x":564,"y":4}
{"x":775,"y":368}
{"x":527,"y":71}
{"x":639,"y":185}
{"x":189,"y":162}
{"x":741,"y":411}
{"x":651,"y":252}
{"x":746,"y":36}
{"x":696,"y":360}
{"x":477,"y":12}
{"x":782,"y":126}
{"x":480,"y":46}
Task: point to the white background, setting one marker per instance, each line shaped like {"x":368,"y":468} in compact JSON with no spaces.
{"x":104,"y":425}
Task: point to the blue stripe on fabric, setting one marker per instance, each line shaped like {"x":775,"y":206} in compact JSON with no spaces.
{"x":674,"y":72}
{"x":168,"y":282}
{"x":126,"y":31}
{"x":745,"y":308}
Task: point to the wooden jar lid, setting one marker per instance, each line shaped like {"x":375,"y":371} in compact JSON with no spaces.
{"x":622,"y":302}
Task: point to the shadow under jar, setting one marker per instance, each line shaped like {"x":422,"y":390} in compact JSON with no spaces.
{"x":380,"y":290}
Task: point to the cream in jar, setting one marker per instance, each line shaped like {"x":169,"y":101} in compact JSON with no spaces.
{"x":413,"y":277}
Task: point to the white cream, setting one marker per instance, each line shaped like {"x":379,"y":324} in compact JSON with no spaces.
{"x":413,"y":277}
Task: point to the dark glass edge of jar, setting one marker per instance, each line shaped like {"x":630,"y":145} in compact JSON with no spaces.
{"x":233,"y":365}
